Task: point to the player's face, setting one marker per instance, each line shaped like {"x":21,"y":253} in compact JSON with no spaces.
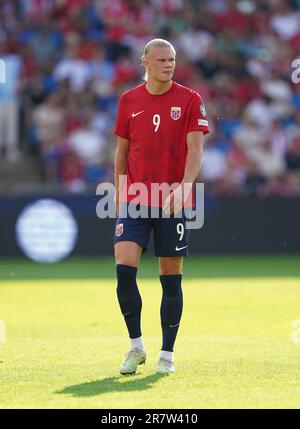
{"x":160,"y":64}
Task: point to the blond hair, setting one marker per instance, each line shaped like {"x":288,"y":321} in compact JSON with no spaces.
{"x":155,"y":43}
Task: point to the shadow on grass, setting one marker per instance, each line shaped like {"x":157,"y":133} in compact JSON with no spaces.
{"x":111,"y":384}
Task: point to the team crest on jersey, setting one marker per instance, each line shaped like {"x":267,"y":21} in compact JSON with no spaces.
{"x":203,"y":110}
{"x":175,"y":113}
{"x":119,"y":230}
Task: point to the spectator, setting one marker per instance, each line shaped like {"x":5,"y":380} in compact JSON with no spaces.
{"x":87,"y":145}
{"x":9,"y":102}
{"x":292,"y":156}
{"x":268,"y":160}
{"x":49,"y":122}
{"x":103,"y":73}
{"x":285,"y":21}
{"x":214,"y":166}
{"x":249,"y":135}
{"x":70,"y":60}
{"x":71,"y":172}
{"x":73,"y":68}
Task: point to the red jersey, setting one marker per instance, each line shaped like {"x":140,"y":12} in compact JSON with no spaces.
{"x":157,"y":127}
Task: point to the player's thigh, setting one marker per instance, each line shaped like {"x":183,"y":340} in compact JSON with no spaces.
{"x":170,"y":265}
{"x":128,"y":253}
{"x":131,"y":239}
{"x":171,"y":237}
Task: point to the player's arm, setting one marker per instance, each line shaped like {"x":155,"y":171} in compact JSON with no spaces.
{"x":195,"y":144}
{"x":121,"y":158}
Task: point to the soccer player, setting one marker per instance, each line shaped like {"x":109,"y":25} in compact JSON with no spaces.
{"x":160,"y":127}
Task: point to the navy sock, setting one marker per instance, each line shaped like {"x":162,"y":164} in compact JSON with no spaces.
{"x":129,"y":299}
{"x":170,"y":309}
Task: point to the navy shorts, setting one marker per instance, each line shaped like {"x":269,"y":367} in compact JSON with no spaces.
{"x":170,"y":234}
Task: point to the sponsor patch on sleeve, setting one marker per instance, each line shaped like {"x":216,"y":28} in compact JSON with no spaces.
{"x":203,"y":122}
{"x":202,"y":110}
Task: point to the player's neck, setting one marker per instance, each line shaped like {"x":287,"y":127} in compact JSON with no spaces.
{"x":158,"y":88}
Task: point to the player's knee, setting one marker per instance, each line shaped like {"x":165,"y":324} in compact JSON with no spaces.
{"x":126,"y":260}
{"x":127,"y":254}
{"x":169,"y":271}
{"x":126,"y":276}
{"x":172,"y":300}
{"x":170,"y":267}
{"x":127,"y":290}
{"x":171,"y":285}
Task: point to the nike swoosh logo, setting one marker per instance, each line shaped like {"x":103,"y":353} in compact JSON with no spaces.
{"x":173,"y":326}
{"x":180,"y":248}
{"x":138,"y":113}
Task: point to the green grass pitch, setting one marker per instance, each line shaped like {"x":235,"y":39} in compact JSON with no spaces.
{"x":65,"y":336}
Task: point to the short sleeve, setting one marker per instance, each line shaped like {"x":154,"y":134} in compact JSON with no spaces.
{"x":121,"y":128}
{"x":197,"y":118}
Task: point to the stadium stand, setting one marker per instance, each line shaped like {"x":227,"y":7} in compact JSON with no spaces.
{"x":69,"y":61}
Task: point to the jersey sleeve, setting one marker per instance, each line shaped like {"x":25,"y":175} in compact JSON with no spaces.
{"x":198,"y":119}
{"x":121,"y":127}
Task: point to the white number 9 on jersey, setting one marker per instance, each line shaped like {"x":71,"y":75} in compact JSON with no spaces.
{"x":180,"y":230}
{"x":156,"y":121}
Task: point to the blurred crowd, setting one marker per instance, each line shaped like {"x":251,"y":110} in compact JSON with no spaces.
{"x":68,"y":61}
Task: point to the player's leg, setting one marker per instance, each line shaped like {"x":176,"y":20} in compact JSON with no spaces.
{"x":170,"y":265}
{"x":131,"y":238}
{"x":127,"y":255}
{"x":171,"y":242}
{"x":170,"y":309}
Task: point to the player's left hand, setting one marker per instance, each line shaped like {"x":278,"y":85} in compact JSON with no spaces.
{"x":176,"y":199}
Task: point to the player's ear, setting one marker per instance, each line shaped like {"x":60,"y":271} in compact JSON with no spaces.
{"x":144,"y":60}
